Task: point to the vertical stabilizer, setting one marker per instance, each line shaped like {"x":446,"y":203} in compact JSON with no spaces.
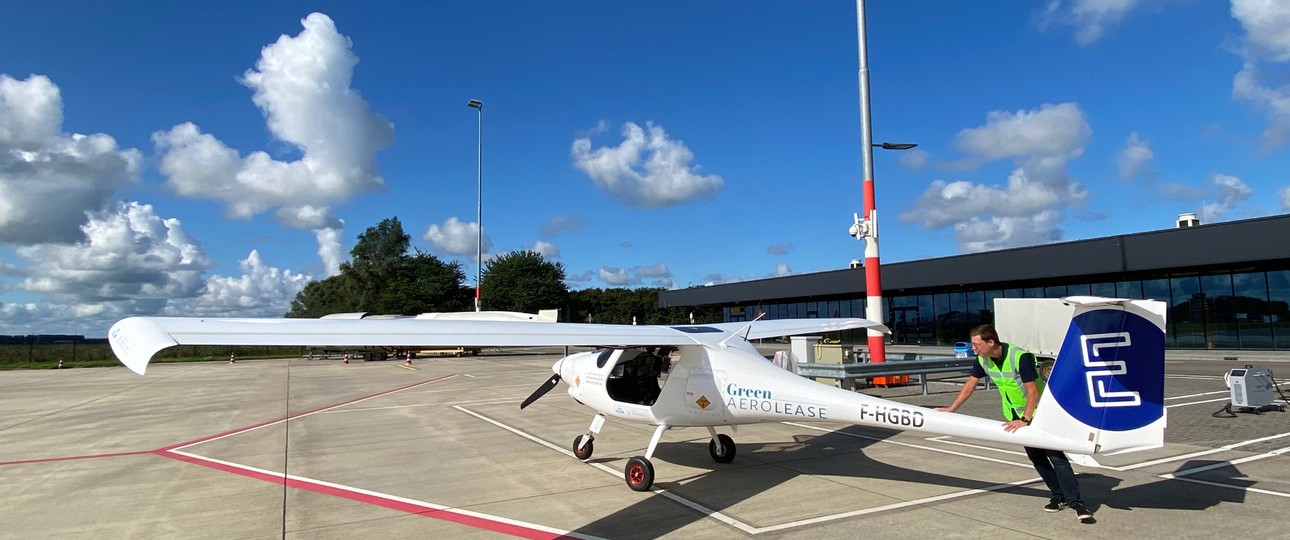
{"x":1107,"y":386}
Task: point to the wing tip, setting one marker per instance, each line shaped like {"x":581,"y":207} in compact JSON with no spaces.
{"x":135,"y":339}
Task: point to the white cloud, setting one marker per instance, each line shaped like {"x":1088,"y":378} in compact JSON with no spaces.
{"x":647,"y":169}
{"x":915,"y":159}
{"x":656,"y":270}
{"x":49,"y":180}
{"x":779,"y":249}
{"x":546,"y":249}
{"x":1135,"y":159}
{"x":783,"y":269}
{"x":616,"y":277}
{"x":1051,"y":131}
{"x":1230,"y":192}
{"x":456,"y":238}
{"x":302,"y":85}
{"x":129,"y":254}
{"x":1026,"y":210}
{"x":261,"y":291}
{"x":562,"y":224}
{"x":1284,"y":192}
{"x":1091,"y":19}
{"x":657,"y":274}
{"x":1267,"y":26}
{"x":581,"y":277}
{"x":1267,"y":42}
{"x":329,"y":248}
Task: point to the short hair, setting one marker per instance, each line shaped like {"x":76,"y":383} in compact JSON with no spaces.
{"x":987,"y":333}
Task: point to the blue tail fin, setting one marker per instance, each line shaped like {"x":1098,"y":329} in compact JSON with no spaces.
{"x":1108,"y":383}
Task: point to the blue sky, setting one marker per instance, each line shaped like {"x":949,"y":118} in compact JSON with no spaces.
{"x":165,"y":158}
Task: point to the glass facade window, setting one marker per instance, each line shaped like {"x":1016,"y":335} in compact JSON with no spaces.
{"x":1220,"y":312}
{"x":1187,"y":312}
{"x":1279,"y":307}
{"x":1250,"y":309}
{"x":975,"y":305}
{"x":1246,"y":310}
{"x":1129,"y":289}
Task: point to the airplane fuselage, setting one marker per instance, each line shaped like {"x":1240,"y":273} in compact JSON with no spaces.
{"x":715,"y":385}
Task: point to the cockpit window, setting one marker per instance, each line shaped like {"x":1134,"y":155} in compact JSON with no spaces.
{"x":604,"y":357}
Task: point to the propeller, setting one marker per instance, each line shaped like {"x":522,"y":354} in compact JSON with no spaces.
{"x":542,"y":390}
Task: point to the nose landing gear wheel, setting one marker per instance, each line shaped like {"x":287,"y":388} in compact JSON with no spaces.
{"x":639,"y":474}
{"x":726,"y":452}
{"x":585,"y":452}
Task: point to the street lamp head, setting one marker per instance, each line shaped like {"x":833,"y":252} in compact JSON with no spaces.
{"x":476,"y":104}
{"x":895,"y":146}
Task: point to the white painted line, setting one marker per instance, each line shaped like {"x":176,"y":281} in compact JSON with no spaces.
{"x":946,"y":439}
{"x":1197,"y":402}
{"x":1213,"y":466}
{"x":1229,"y":486}
{"x":311,"y":413}
{"x":895,"y":506}
{"x":366,"y":495}
{"x":1224,"y":448}
{"x":686,"y":502}
{"x":1198,"y":395}
{"x":908,"y":445}
{"x":816,"y":520}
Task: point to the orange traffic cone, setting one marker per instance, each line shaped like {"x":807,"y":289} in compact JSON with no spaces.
{"x":232,"y":358}
{"x":408,"y":362}
{"x":60,"y":364}
{"x":346,"y":358}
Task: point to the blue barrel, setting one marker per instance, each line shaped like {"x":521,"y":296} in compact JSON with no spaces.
{"x":962,"y":349}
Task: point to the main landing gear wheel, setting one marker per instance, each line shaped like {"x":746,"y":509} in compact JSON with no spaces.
{"x":585,"y":452}
{"x":639,"y":474}
{"x":726,"y":452}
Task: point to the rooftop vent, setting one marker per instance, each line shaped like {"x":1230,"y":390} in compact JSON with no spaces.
{"x":1187,"y":219}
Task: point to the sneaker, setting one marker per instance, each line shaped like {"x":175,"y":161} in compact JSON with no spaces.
{"x":1055,"y":504}
{"x":1084,"y":515}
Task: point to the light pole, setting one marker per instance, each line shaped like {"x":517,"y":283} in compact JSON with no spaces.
{"x":479,"y":208}
{"x":866,"y":228}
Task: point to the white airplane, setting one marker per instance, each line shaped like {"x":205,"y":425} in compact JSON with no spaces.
{"x":1105,"y":393}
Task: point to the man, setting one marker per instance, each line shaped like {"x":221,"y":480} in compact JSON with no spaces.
{"x":1013,"y":371}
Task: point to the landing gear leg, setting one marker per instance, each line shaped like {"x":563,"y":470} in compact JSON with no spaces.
{"x":582,"y":447}
{"x":640,"y":471}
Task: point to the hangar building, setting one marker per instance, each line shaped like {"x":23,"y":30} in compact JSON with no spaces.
{"x":1227,"y":285}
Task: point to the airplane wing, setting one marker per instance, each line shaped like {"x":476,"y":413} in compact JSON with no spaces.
{"x":796,"y":327}
{"x":136,"y":339}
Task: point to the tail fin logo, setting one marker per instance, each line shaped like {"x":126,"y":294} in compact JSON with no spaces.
{"x":1098,"y":394}
{"x":1110,"y":370}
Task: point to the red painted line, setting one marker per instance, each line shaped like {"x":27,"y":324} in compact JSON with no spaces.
{"x":410,"y":507}
{"x":70,"y":458}
{"x":300,"y":414}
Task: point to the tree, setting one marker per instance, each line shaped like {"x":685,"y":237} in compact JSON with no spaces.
{"x":384,"y":278}
{"x":523,"y":281}
{"x":318,"y":298}
{"x":620,"y":306}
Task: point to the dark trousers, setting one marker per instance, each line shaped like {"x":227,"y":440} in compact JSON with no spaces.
{"x":1054,"y":467}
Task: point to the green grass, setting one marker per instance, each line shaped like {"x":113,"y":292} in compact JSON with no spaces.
{"x":47,"y":356}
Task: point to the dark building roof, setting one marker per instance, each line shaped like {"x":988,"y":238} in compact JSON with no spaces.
{"x":1261,"y":243}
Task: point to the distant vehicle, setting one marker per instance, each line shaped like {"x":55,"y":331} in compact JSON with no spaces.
{"x":448,"y":351}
